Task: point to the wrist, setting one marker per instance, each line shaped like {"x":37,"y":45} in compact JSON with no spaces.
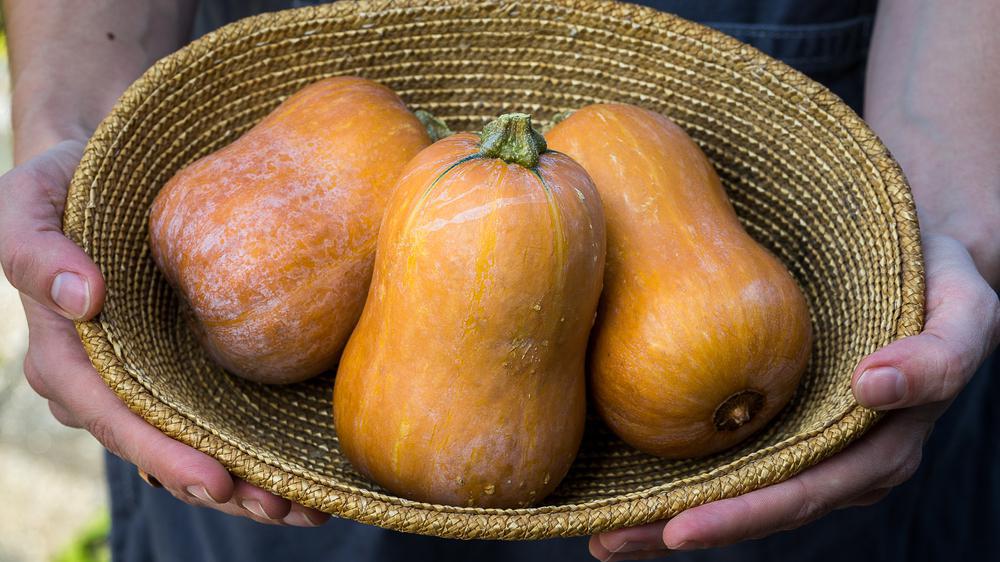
{"x":979,"y":238}
{"x":70,"y":61}
{"x":45,"y":112}
{"x":41,"y":131}
{"x":955,"y":178}
{"x":959,"y":197}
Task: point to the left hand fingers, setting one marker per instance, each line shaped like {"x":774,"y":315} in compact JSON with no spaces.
{"x":926,"y":370}
{"x":254,"y":503}
{"x":634,"y":543}
{"x":897,"y":442}
{"x":962,"y":327}
{"x":646,"y":542}
{"x":627,"y":551}
{"x":837,"y":482}
{"x":231,"y":507}
{"x":628,"y":544}
{"x":265,"y":507}
{"x":259,"y":502}
{"x":274,"y":509}
{"x":869,"y":498}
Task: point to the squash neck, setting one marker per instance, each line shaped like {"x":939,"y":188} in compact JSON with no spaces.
{"x":512,"y":139}
{"x":559,"y":118}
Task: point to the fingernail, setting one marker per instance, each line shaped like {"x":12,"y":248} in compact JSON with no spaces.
{"x":639,"y":554}
{"x":253,"y":506}
{"x":881,"y":386}
{"x":623,"y":548}
{"x":687,"y":545}
{"x":299,"y":519}
{"x":72,"y":293}
{"x":629,"y":546}
{"x":149,"y":478}
{"x":201,"y":493}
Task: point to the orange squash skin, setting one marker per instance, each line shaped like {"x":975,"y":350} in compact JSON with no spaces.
{"x":463,"y":383}
{"x":270,"y":240}
{"x":694,"y":311}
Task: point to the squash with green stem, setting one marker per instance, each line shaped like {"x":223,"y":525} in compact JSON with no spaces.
{"x":463,"y":383}
{"x":702,"y":334}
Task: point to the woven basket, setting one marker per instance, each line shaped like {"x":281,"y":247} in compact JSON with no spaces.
{"x":807,"y":177}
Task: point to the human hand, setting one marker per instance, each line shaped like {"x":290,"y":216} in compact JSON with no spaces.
{"x":59,"y":283}
{"x":916,"y":377}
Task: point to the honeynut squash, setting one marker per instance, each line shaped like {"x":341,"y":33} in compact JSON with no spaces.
{"x":463,"y":383}
{"x":702,"y":335}
{"x":270,"y":240}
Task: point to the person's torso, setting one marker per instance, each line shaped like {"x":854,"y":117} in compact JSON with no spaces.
{"x":827,"y":40}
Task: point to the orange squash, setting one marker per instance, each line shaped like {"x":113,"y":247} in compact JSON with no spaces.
{"x":463,"y":383}
{"x":270,"y":240}
{"x":702,"y":335}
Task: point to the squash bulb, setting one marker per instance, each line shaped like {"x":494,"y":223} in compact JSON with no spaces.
{"x":463,"y":383}
{"x":270,"y":240}
{"x":702,"y":335}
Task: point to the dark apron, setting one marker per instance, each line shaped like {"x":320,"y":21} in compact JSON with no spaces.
{"x":826,"y":39}
{"x":947,"y":511}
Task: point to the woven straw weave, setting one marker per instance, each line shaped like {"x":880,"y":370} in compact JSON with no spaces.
{"x":806,"y":176}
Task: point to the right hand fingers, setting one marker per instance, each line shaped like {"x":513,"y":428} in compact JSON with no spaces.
{"x":58,"y":368}
{"x":55,"y":275}
{"x":294,"y":515}
{"x":36,"y":257}
{"x":266,"y":507}
{"x":961,"y":330}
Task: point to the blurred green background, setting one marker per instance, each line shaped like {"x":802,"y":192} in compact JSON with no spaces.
{"x":51,"y":482}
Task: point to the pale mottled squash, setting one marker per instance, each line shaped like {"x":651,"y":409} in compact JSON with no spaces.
{"x":271,"y":240}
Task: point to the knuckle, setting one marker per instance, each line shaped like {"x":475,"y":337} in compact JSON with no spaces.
{"x":986,"y":302}
{"x":7,"y":190}
{"x":994,"y":322}
{"x":36,"y":182}
{"x":949,"y":377}
{"x":812,"y":507}
{"x":810,"y":510}
{"x":27,"y":176}
{"x":34,"y":376}
{"x":62,"y":415}
{"x":905,"y":466}
{"x":872,"y":497}
{"x":104,"y":433}
{"x":23,"y":189}
{"x":18,"y":261}
{"x":46,"y":183}
{"x":908,"y":468}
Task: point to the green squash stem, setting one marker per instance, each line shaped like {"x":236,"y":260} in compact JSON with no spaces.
{"x":511,"y":138}
{"x":436,"y":128}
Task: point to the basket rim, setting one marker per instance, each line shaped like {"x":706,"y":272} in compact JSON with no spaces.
{"x":738,"y":477}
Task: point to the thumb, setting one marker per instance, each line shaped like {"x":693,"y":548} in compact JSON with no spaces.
{"x":962,"y":327}
{"x":36,"y":256}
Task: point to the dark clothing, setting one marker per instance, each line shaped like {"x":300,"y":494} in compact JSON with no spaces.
{"x":947,"y":511}
{"x":826,"y":40}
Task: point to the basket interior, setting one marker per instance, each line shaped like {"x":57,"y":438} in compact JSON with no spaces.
{"x":802,"y":182}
